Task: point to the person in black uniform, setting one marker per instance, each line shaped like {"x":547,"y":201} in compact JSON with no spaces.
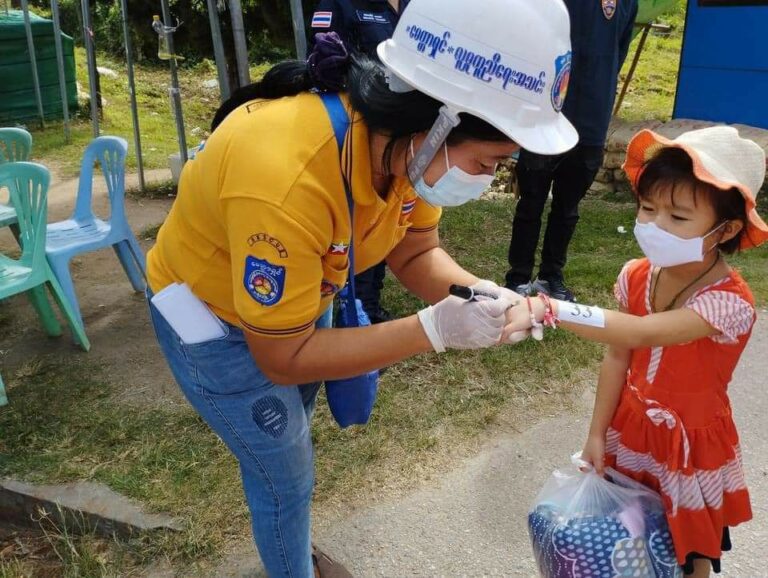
{"x":601,"y":31}
{"x":361,"y":25}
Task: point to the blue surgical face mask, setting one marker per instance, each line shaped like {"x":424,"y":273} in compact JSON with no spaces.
{"x":454,"y":188}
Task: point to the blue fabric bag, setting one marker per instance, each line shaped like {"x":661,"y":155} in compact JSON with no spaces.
{"x":351,"y":400}
{"x":585,"y":526}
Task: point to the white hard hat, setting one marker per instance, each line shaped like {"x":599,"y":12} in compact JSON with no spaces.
{"x":505,"y":61}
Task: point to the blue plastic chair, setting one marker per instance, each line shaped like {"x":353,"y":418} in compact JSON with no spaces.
{"x":84,"y":232}
{"x":30,"y":273}
{"x":15,"y":146}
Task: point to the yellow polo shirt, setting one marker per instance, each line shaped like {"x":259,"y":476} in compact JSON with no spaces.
{"x":260,"y":229}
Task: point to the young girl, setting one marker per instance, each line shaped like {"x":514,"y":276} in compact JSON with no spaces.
{"x":662,"y":414}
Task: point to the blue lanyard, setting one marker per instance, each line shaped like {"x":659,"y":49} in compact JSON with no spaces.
{"x":340,"y":123}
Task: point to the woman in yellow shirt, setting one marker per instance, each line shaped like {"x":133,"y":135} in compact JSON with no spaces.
{"x":261,"y":230}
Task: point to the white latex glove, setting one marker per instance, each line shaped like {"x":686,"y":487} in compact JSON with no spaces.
{"x":455,"y":323}
{"x":491,"y":288}
{"x":487,"y":286}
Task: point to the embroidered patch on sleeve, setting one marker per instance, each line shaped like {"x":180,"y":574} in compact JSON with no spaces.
{"x":269,"y":240}
{"x":264,"y":281}
{"x":321,"y":20}
{"x":339,"y":248}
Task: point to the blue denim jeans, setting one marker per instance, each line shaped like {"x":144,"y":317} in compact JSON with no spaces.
{"x":266,"y":426}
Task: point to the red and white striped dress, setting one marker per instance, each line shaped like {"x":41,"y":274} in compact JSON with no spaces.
{"x":673,"y":430}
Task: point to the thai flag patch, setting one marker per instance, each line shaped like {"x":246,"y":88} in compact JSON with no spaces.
{"x":321,"y":20}
{"x":408,"y":207}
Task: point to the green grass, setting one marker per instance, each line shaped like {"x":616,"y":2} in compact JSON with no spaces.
{"x":158,"y":128}
{"x":63,"y":423}
{"x":154,"y":190}
{"x":70,"y":550}
{"x":651,"y":94}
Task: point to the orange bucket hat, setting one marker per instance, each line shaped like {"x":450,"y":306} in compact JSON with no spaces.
{"x":720,"y":157}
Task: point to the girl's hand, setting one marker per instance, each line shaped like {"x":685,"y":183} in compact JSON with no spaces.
{"x":518,"y":326}
{"x":492,"y":288}
{"x":594,"y":452}
{"x":519,"y":321}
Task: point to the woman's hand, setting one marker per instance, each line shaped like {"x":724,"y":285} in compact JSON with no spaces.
{"x":594,"y":452}
{"x":491,"y":288}
{"x":454,"y":323}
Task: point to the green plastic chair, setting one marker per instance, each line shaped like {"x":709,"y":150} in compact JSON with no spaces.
{"x":15,"y":146}
{"x":28,"y":185}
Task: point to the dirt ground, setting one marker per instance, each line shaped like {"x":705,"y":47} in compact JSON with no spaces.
{"x":31,"y":545}
{"x":394,"y":535}
{"x":122,"y":342}
{"x":115,"y":316}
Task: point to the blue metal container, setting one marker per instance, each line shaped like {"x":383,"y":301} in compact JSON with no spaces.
{"x":724,"y":62}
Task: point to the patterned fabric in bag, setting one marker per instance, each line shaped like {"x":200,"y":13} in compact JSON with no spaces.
{"x":585,"y":526}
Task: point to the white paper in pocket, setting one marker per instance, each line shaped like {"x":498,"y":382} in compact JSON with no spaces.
{"x":188,"y":315}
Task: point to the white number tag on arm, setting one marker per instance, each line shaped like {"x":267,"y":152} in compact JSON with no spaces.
{"x":580,"y":314}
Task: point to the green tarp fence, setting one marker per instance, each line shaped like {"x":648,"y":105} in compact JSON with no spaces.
{"x":17,"y":88}
{"x":17,"y":91}
{"x":649,"y":10}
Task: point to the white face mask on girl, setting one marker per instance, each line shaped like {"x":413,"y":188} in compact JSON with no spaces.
{"x":664,"y":249}
{"x":454,"y":188}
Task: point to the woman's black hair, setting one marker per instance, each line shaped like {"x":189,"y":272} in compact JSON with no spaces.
{"x":672,"y":169}
{"x":395,"y":114}
{"x":285,"y":79}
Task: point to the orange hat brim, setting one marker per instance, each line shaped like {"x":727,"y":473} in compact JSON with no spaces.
{"x":646,"y":144}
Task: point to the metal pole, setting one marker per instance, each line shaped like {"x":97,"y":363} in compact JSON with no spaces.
{"x":33,"y":61}
{"x":218,"y":50}
{"x":299,"y":33}
{"x":241,"y":50}
{"x":630,"y":74}
{"x":91,"y":57}
{"x":175,"y":92}
{"x":62,"y":72}
{"x":132,"y":91}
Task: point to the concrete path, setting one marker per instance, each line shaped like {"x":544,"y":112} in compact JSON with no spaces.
{"x":474,"y":522}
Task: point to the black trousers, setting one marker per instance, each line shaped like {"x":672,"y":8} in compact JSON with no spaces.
{"x":569,"y":176}
{"x":368,"y":286}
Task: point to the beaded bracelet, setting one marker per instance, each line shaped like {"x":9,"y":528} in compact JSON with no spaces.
{"x":550,"y":320}
{"x":534,"y":323}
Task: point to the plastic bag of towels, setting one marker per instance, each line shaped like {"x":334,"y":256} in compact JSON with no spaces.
{"x":585,"y":526}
